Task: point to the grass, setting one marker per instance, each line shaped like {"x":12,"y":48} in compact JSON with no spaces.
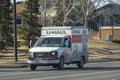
{"x":7,"y":57}
{"x":103,"y":50}
{"x":102,"y":47}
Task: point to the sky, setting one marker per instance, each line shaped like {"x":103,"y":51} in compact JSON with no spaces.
{"x":117,"y":1}
{"x":111,"y":0}
{"x":17,"y":0}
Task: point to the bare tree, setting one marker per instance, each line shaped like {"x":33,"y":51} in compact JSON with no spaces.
{"x":88,"y":7}
{"x":83,"y":9}
{"x":73,"y":11}
{"x":46,"y":10}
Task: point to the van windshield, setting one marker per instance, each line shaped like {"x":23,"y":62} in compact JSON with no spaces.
{"x":49,"y":42}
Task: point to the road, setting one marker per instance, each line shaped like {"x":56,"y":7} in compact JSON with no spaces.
{"x":91,"y":71}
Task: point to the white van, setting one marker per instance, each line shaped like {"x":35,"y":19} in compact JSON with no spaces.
{"x":58,"y":46}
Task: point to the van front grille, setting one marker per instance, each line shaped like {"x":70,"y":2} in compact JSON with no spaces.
{"x":41,"y":55}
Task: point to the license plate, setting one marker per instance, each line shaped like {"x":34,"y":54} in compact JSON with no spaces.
{"x":42,"y":61}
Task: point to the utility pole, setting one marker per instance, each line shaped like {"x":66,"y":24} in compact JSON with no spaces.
{"x":44,"y":14}
{"x":15,"y":31}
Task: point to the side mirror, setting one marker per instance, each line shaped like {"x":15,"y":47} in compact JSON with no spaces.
{"x":30,"y":44}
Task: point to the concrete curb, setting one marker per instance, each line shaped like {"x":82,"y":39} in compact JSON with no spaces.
{"x":103,"y":60}
{"x":14,"y":65}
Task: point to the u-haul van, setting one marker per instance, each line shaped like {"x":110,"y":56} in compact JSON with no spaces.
{"x":58,"y":46}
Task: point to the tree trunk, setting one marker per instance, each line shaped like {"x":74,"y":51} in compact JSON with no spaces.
{"x":86,"y":22}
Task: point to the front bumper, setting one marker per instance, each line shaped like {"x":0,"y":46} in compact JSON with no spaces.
{"x":44,"y":62}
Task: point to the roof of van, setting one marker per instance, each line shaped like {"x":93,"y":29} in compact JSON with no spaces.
{"x":53,"y":36}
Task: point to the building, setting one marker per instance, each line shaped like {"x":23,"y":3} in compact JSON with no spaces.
{"x":109,"y":33}
{"x":109,"y":15}
{"x":20,"y":6}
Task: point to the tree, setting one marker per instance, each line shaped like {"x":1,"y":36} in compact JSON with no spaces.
{"x":66,"y":12}
{"x":81,"y":12}
{"x":88,"y":8}
{"x":31,"y":27}
{"x":5,"y":23}
{"x":46,"y":11}
{"x":70,"y":12}
{"x":59,"y":18}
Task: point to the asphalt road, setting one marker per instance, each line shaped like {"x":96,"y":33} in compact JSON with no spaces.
{"x":91,"y":71}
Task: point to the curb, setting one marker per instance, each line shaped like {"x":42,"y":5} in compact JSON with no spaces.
{"x":13,"y":64}
{"x":103,"y":60}
{"x":19,"y":65}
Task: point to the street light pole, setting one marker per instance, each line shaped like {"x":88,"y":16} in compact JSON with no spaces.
{"x":15,"y":31}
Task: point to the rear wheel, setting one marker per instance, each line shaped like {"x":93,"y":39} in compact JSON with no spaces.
{"x":33,"y":67}
{"x":61,"y":64}
{"x":80,"y":63}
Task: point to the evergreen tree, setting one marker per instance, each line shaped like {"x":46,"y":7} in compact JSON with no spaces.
{"x":5,"y":23}
{"x":31,"y":28}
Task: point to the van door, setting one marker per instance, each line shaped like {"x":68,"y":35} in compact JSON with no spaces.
{"x":67,"y":50}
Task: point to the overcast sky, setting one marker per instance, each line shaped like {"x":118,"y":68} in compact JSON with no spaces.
{"x":24,"y":0}
{"x":118,"y":1}
{"x":19,"y":0}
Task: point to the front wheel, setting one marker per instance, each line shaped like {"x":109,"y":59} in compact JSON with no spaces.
{"x":54,"y":66}
{"x":80,"y":63}
{"x":33,"y":67}
{"x":61,"y":64}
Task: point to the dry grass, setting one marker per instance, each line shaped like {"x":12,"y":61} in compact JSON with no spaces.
{"x":7,"y":58}
{"x":103,"y":50}
{"x":102,"y":47}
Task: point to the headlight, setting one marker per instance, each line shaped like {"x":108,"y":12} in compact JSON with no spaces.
{"x":54,"y":54}
{"x":31,"y":55}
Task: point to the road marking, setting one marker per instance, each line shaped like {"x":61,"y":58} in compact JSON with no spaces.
{"x":73,"y":75}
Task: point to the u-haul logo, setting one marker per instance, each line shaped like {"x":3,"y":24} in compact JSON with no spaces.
{"x":56,"y":32}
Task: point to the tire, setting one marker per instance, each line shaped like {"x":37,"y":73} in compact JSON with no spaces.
{"x":33,"y":67}
{"x":54,"y":66}
{"x":80,"y":63}
{"x":61,"y":64}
